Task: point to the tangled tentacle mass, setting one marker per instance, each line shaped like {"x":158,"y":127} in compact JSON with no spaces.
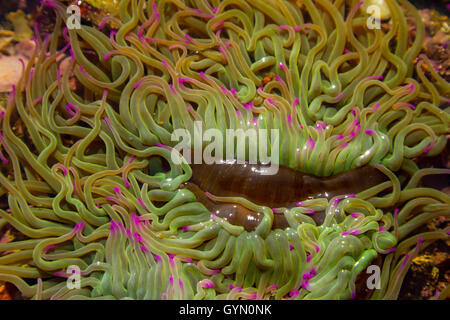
{"x":88,"y":179}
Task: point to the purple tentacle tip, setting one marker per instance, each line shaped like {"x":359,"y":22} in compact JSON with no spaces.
{"x":428,"y":148}
{"x":335,"y":202}
{"x":305,"y":284}
{"x":311,"y":143}
{"x":207,"y":284}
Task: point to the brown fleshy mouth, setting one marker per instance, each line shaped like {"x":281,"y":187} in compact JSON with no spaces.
{"x":286,"y":189}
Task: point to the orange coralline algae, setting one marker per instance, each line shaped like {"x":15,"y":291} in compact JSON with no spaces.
{"x":4,"y":295}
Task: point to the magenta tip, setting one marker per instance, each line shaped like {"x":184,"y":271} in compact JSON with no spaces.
{"x":428,"y":148}
{"x":405,"y":259}
{"x":305,"y":284}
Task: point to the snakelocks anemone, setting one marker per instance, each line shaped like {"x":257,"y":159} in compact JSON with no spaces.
{"x":88,"y":176}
